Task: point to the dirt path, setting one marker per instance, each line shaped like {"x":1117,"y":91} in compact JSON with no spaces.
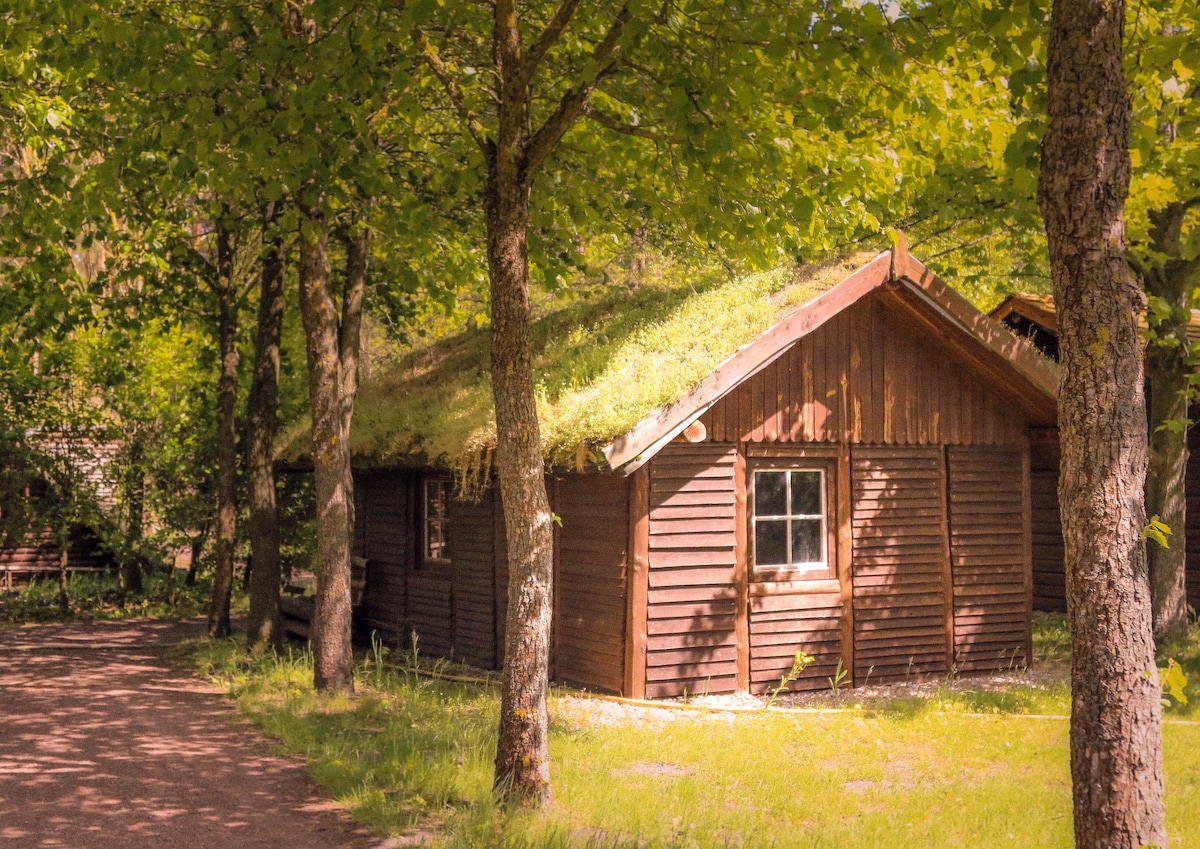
{"x":103,"y":744}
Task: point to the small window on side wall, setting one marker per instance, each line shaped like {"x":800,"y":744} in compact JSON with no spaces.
{"x":436,"y":519}
{"x":790,"y":521}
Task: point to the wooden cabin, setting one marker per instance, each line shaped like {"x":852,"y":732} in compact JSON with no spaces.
{"x":36,"y":555}
{"x":1033,"y":317}
{"x":30,"y":550}
{"x":854,"y":483}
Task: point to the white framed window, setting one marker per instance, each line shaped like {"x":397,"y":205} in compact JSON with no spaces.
{"x":790,"y":526}
{"x":436,"y":519}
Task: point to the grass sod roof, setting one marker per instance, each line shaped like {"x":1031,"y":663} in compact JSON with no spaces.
{"x":602,"y":363}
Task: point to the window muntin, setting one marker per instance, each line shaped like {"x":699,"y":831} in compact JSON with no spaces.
{"x":790,"y":520}
{"x":436,"y":519}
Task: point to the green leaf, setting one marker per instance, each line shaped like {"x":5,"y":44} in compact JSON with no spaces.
{"x":1174,"y":683}
{"x":1157,"y":530}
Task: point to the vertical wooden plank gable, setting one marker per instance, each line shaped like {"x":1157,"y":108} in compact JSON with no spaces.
{"x":872,"y":374}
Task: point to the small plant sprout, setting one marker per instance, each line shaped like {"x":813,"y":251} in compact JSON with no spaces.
{"x":838,"y":680}
{"x":799,"y":663}
{"x":412,"y":656}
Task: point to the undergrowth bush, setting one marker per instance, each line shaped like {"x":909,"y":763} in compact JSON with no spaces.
{"x":100,"y":596}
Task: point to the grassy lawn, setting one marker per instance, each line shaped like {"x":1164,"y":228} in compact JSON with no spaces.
{"x":961,"y":764}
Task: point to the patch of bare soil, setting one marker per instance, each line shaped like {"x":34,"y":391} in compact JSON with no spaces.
{"x":106,"y":744}
{"x":582,"y":711}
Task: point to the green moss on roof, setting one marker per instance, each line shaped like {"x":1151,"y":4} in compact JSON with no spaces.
{"x":602,"y":363}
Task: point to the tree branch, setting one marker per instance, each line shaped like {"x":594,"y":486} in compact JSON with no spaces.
{"x":611,"y":123}
{"x":545,"y":40}
{"x":473,"y":125}
{"x":575,"y":100}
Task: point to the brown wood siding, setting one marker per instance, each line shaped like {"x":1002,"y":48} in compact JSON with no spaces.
{"x":692,"y":643}
{"x":358,"y":546}
{"x":1192,"y":514}
{"x":471,"y":552}
{"x":429,"y":610}
{"x":36,"y":554}
{"x":382,"y":523}
{"x":1049,"y":575}
{"x":899,"y":593}
{"x":589,"y":648}
{"x":987,"y":550}
{"x":500,"y":558}
{"x":783,"y":624}
{"x":870,"y":375}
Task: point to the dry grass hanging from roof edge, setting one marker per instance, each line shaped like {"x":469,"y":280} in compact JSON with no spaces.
{"x":473,"y":472}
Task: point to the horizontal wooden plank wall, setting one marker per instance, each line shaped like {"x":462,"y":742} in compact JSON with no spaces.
{"x":866,"y":376}
{"x":1192,"y":514}
{"x":37,"y":553}
{"x":692,"y":643}
{"x":900,"y":597}
{"x":358,"y":545}
{"x":382,"y":523}
{"x":589,"y":586}
{"x":473,"y":567}
{"x":783,"y":624}
{"x":1049,"y":577}
{"x":987,"y":549}
{"x":500,"y":580}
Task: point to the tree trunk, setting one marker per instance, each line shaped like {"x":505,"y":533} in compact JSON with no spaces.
{"x":226,"y":524}
{"x":264,"y":626}
{"x":1168,"y":370}
{"x":1116,"y":718}
{"x":333,"y":666}
{"x":64,"y":577}
{"x":358,"y":250}
{"x":196,"y":546}
{"x":135,"y":493}
{"x":522,"y":755}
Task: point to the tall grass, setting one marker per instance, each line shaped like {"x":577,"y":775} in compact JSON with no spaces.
{"x":413,"y":755}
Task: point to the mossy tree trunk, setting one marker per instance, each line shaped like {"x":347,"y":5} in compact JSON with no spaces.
{"x":226,"y":520}
{"x":263,"y":626}
{"x":515,"y":152}
{"x":1168,"y":368}
{"x":1116,"y":718}
{"x":332,"y":347}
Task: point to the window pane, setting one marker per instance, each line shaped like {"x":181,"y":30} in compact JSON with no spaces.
{"x":437,"y":494}
{"x":806,"y":493}
{"x":770,"y":494}
{"x":437,"y":541}
{"x":770,"y":543}
{"x":806,"y":541}
{"x":437,"y":505}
